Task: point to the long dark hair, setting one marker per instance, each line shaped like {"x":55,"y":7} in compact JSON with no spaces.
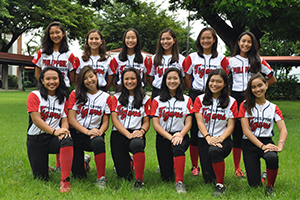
{"x":139,"y":92}
{"x":61,"y":91}
{"x":47,"y":43}
{"x":253,"y":53}
{"x":214,"y":51}
{"x":137,"y":49}
{"x":81,"y":90}
{"x":160,"y":50}
{"x":87,"y":49}
{"x":224,"y":97}
{"x":164,"y":90}
{"x":249,"y":96}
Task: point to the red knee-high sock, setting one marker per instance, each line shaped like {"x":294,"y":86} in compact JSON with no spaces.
{"x":271,"y":176}
{"x":100,"y":160}
{"x":236,"y":152}
{"x":139,"y":165}
{"x":179,"y":164}
{"x":57,"y":160}
{"x":219,"y":169}
{"x":66,"y":159}
{"x":194,"y":155}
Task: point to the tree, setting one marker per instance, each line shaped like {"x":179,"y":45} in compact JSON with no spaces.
{"x":27,"y":15}
{"x":229,"y":18}
{"x":147,"y":18}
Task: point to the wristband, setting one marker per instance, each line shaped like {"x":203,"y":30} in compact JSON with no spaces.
{"x":206,"y":136}
{"x":262,"y":146}
{"x":53,"y":132}
{"x":143,"y":130}
{"x":281,"y":141}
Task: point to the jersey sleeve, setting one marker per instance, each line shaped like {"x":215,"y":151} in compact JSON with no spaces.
{"x":149,"y":67}
{"x":108,"y":106}
{"x":187,"y":65}
{"x":72,"y":64}
{"x":113,"y":65}
{"x":190,"y":106}
{"x":197,"y":105}
{"x":278,"y":115}
{"x":33,"y":103}
{"x":77,"y":64}
{"x":234,"y":110}
{"x":224,"y":65}
{"x":242,"y":110}
{"x":65,"y":113}
{"x":109,"y":69}
{"x":266,"y":69}
{"x":72,"y":101}
{"x":36,"y":58}
{"x":114,"y":104}
{"x":154,"y":107}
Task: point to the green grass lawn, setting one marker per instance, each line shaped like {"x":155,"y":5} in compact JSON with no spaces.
{"x":16,"y":180}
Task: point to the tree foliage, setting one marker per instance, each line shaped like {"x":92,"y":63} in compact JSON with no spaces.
{"x":280,"y":18}
{"x":27,"y":15}
{"x":146,"y":18}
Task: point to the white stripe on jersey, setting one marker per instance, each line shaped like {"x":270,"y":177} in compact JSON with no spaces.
{"x":158,"y":71}
{"x":172,"y":113}
{"x":90,"y":114}
{"x":119,"y":66}
{"x":50,"y":110}
{"x":199,"y":68}
{"x":63,"y":61}
{"x":262,"y":119}
{"x":131,"y":118}
{"x":215,"y":118}
{"x":102,"y":68}
{"x":240,"y":77}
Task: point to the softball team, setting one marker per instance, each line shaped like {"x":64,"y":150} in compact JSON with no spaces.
{"x":211,"y":119}
{"x":244,"y":63}
{"x":89,"y":110}
{"x":197,"y":67}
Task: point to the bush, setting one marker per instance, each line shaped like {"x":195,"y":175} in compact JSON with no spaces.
{"x":12,"y":81}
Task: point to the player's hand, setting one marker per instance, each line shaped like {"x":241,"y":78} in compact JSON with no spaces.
{"x":137,"y":134}
{"x":270,"y":147}
{"x":214,"y":141}
{"x":62,"y":133}
{"x":177,"y":139}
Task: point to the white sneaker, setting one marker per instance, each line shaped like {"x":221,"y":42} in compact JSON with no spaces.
{"x":180,"y":187}
{"x":87,"y":160}
{"x":101,"y":183}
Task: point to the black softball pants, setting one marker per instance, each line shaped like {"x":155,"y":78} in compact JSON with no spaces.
{"x":237,"y":133}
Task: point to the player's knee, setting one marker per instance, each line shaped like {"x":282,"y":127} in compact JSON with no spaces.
{"x":98,"y":145}
{"x":65,"y":142}
{"x":178,"y":151}
{"x":271,"y":159}
{"x":215,"y":154}
{"x":137,"y":145}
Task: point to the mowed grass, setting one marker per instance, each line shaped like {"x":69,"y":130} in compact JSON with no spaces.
{"x":16,"y":180}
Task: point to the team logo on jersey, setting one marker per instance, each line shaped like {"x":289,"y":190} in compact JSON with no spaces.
{"x":239,"y":70}
{"x":46,"y":114}
{"x":123,"y":112}
{"x":207,"y":116}
{"x":166,"y":114}
{"x":99,"y":71}
{"x":58,"y":63}
{"x":254,"y":124}
{"x":85,"y":111}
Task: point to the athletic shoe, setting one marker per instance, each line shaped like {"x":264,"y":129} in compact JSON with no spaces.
{"x":180,"y":188}
{"x":115,"y":170}
{"x":158,"y":169}
{"x":239,"y":174}
{"x":138,"y":185}
{"x":65,"y":186}
{"x":87,"y":160}
{"x":101,"y":183}
{"x":219,"y":190}
{"x":195,"y":171}
{"x":264,"y":177}
{"x":50,"y":169}
{"x":270,"y":191}
{"x":57,"y":169}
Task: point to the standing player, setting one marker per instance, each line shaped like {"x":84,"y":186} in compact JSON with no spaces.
{"x":89,"y":110}
{"x":55,"y":52}
{"x":171,"y":120}
{"x":215,"y":112}
{"x":167,"y":55}
{"x":95,"y":55}
{"x":245,"y":62}
{"x":197,"y":66}
{"x":130,"y":56}
{"x":257,"y":118}
{"x":130,"y":110}
{"x":48,"y":127}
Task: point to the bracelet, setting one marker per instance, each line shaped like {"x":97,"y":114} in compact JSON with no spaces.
{"x":281,"y":141}
{"x":143,"y":130}
{"x":53,"y":132}
{"x":262,"y":146}
{"x":206,"y":135}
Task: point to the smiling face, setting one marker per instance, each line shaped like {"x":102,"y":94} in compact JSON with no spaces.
{"x":173,"y":81}
{"x":130,"y":81}
{"x":206,"y":41}
{"x":216,"y":85}
{"x":94,"y":41}
{"x":259,"y":88}
{"x":90,"y":81}
{"x":50,"y":81}
{"x":130,"y":40}
{"x":245,"y":44}
{"x":167,"y":42}
{"x":56,"y":34}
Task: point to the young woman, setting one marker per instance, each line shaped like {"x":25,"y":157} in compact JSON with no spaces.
{"x":167,"y":55}
{"x":245,"y":62}
{"x":130,"y":117}
{"x":89,"y":110}
{"x":215,"y":112}
{"x":130,"y":56}
{"x":55,"y":52}
{"x":171,"y":120}
{"x":95,"y":55}
{"x":257,"y":119}
{"x":48,"y":127}
{"x":197,"y":66}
